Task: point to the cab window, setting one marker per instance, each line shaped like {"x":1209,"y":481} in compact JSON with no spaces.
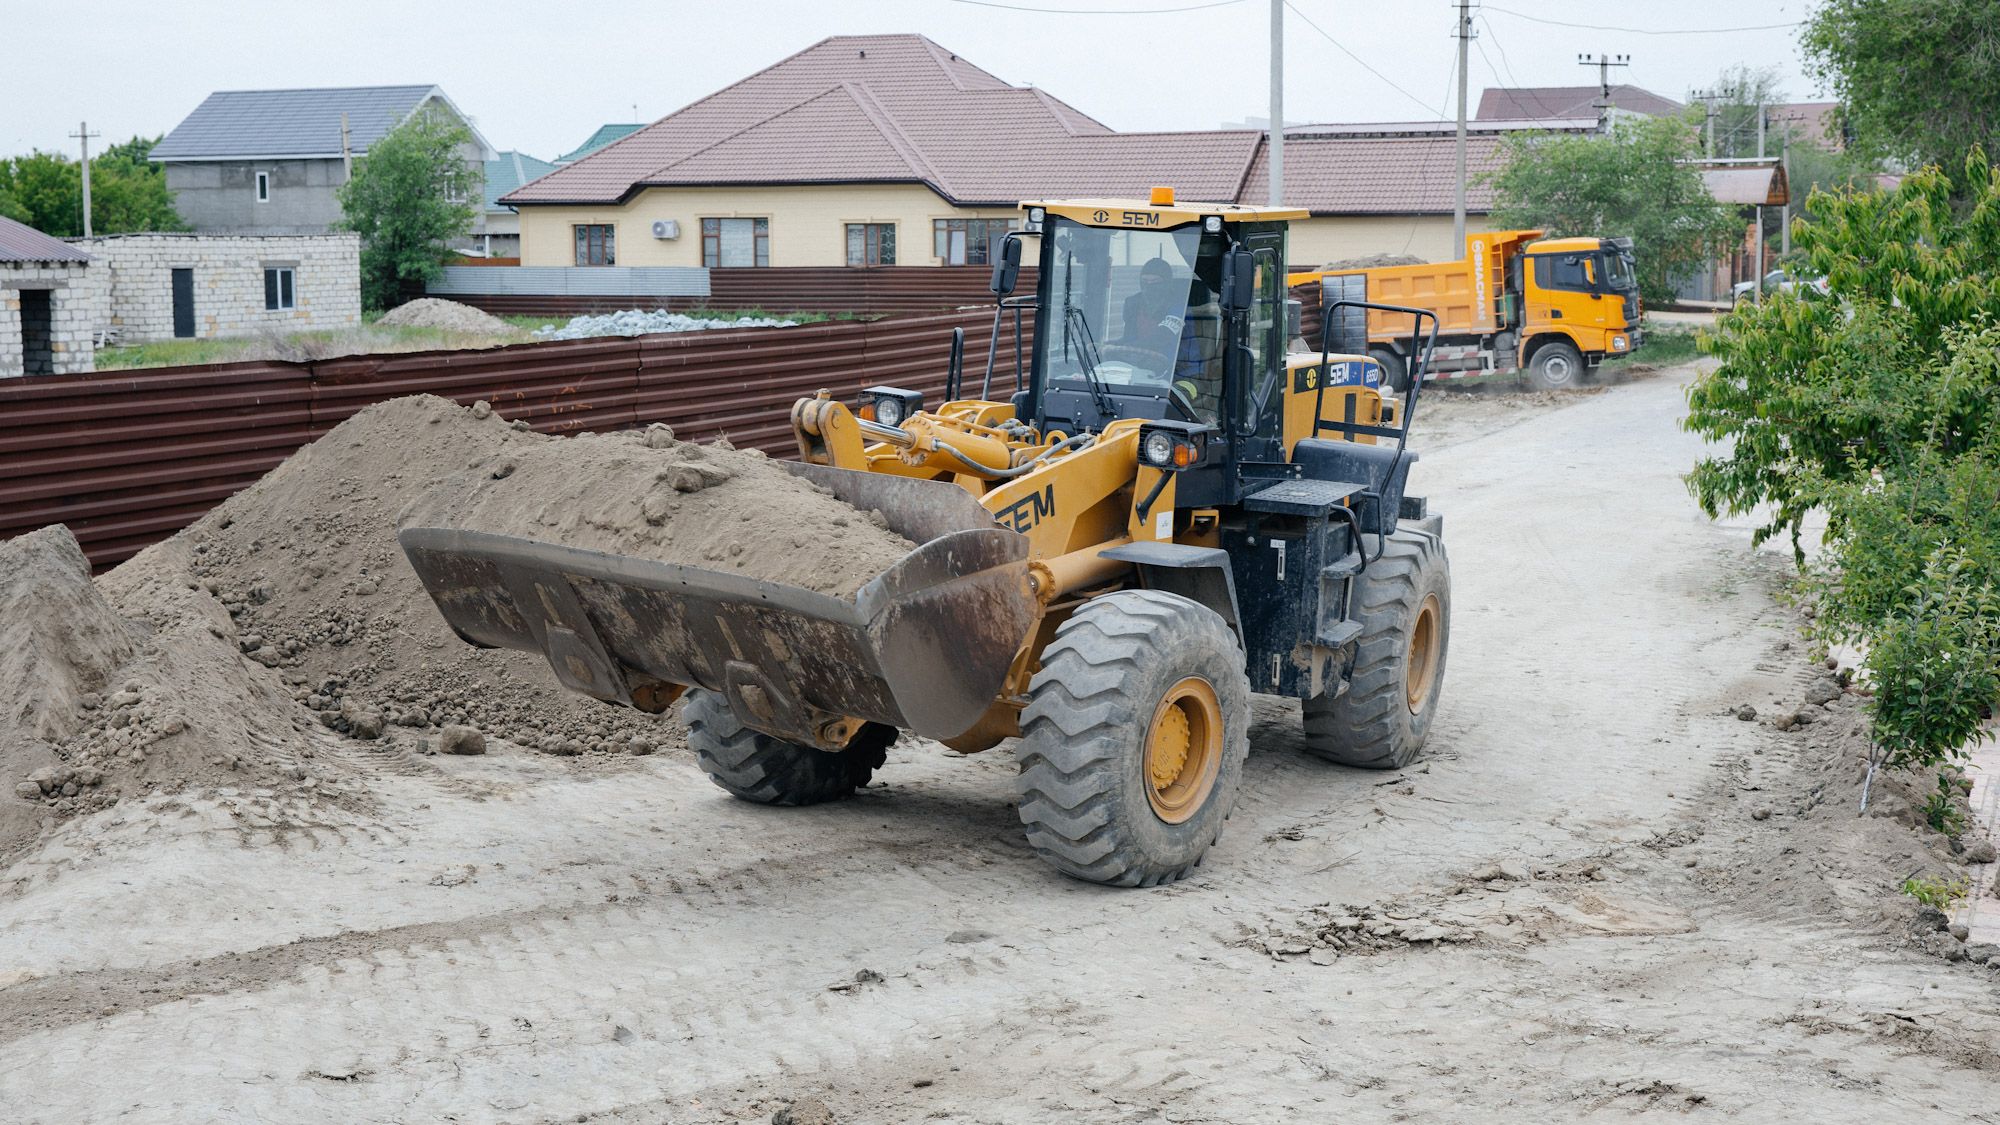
{"x":1562,"y":271}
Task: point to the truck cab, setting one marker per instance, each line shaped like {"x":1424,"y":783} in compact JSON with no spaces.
{"x":1516,"y":306}
{"x":1580,"y":289}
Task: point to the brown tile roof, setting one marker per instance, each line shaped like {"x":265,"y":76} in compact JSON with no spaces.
{"x":1380,"y":175}
{"x":933,"y":97}
{"x":20,"y":242}
{"x":1538,"y":102}
{"x":900,"y":108}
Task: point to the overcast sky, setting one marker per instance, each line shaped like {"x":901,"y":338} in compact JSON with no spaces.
{"x":539,"y":76}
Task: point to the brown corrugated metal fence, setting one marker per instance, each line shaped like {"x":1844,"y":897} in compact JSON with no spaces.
{"x":868,"y":290}
{"x":128,"y":458}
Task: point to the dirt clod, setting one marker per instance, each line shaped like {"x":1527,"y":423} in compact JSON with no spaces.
{"x":805,"y":1111}
{"x":461,"y":740}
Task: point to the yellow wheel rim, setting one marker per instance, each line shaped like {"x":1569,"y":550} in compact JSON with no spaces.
{"x":1183,"y":750}
{"x":1422,"y":665}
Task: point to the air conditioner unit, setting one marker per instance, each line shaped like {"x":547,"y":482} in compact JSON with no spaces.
{"x":666,"y":228}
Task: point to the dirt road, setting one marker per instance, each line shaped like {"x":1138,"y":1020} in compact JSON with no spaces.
{"x":1570,"y":909}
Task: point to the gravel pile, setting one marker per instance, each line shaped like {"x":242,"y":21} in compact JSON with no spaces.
{"x":639,"y":322}
{"x":430,"y":312}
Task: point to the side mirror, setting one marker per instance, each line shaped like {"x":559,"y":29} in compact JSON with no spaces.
{"x":1007,"y":271}
{"x":1239,"y":280}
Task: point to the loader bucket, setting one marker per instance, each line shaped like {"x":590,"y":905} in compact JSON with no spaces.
{"x":924,"y":646}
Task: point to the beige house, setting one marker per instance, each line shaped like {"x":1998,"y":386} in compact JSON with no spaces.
{"x":892,"y":150}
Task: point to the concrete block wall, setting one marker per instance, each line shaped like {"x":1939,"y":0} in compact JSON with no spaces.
{"x":67,"y":330}
{"x":133,"y":299}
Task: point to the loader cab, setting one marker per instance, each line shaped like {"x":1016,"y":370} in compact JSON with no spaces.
{"x":1166,"y":313}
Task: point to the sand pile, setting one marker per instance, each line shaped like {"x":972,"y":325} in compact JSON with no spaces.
{"x":430,"y":312}
{"x":282,"y":644}
{"x":1374,"y":261}
{"x":647,"y":494}
{"x":59,"y":639}
{"x":133,"y":687}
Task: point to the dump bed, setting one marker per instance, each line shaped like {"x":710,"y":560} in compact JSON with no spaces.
{"x":1469,"y":295}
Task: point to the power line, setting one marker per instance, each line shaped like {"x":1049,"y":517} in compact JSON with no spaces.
{"x":1501,"y":47}
{"x":1647,"y":31}
{"x":1099,"y":11}
{"x":1483,"y":57}
{"x":1363,"y":63}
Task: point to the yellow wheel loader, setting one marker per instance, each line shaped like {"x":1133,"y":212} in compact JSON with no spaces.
{"x":1174,"y":509}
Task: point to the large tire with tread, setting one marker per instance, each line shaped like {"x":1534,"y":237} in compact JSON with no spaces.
{"x":1404,"y":599}
{"x":1395,"y":371}
{"x":1556,"y":366}
{"x":770,"y":771}
{"x":1133,"y":739}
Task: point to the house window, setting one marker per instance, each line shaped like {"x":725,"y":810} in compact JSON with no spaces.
{"x":263,"y":187}
{"x":871,"y":244}
{"x":279,"y":290}
{"x":735,"y":242}
{"x":596,"y":244}
{"x":966,"y":242}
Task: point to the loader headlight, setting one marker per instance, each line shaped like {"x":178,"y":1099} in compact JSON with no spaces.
{"x":1619,"y":343}
{"x":1212,"y":224}
{"x":1173,"y":445}
{"x":894,"y":406}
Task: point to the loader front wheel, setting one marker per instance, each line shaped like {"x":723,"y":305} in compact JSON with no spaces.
{"x":1133,"y":739}
{"x":770,"y":771}
{"x":1381,"y":721}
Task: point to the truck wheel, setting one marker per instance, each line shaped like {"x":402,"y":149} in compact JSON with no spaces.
{"x":770,"y":771}
{"x":1556,"y":366}
{"x":1133,"y":739}
{"x":1395,"y":373}
{"x":1404,"y":599}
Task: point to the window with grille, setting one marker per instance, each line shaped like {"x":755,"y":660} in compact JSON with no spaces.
{"x":871,"y":244}
{"x":969,"y":242}
{"x":596,"y":244}
{"x":729,"y":243}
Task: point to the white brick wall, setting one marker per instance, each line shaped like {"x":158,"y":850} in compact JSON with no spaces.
{"x":131,"y":288}
{"x":72,"y":312}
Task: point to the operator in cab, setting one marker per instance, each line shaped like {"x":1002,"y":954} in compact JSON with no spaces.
{"x":1154,"y":314}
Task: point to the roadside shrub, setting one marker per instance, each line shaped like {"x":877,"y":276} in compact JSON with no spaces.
{"x":1878,"y":403}
{"x":1936,"y":891}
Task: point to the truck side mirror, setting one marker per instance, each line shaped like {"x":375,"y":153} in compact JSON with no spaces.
{"x":1007,"y":271}
{"x":1239,"y":280}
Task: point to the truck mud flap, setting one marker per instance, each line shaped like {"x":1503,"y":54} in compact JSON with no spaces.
{"x":925,"y":646}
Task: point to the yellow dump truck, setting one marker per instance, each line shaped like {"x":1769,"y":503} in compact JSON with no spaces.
{"x":1516,"y":306}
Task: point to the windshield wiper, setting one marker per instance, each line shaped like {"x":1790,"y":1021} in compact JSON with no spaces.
{"x":1075,"y":323}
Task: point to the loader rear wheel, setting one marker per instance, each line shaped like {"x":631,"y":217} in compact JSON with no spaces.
{"x":770,"y":771}
{"x":1380,"y":722}
{"x":1133,"y":739}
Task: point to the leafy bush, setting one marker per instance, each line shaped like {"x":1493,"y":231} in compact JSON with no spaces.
{"x":1936,"y":890}
{"x":1878,"y":403}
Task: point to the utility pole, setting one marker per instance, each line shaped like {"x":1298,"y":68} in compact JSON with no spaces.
{"x":1785,"y":214}
{"x":1759,"y":241}
{"x":1464,"y":33}
{"x":1603,"y":63}
{"x":1707,"y":98}
{"x":346,"y":152}
{"x":1277,"y":102}
{"x":84,"y":134}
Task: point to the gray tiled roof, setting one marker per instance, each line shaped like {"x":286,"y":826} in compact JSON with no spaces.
{"x":20,"y":242}
{"x":245,"y":123}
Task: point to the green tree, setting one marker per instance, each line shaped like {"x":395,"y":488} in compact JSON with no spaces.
{"x":1738,"y":92}
{"x":412,"y":195}
{"x":1877,"y":402}
{"x":1918,"y":80}
{"x":45,"y":191}
{"x":1634,"y":182}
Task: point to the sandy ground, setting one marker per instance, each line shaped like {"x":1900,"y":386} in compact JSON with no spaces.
{"x":1585,"y":917}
